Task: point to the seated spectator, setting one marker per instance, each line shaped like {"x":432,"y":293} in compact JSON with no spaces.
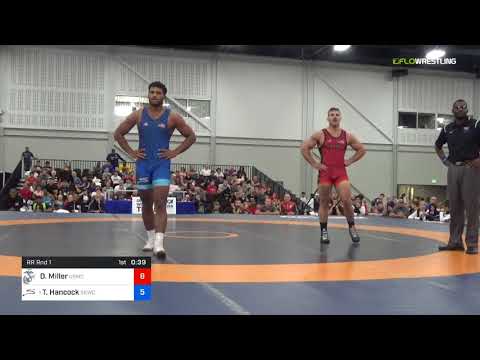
{"x":32,"y":179}
{"x":333,"y":205}
{"x":48,"y":199}
{"x":288,"y":207}
{"x":120,"y":190}
{"x":303,"y":198}
{"x":97,"y":205}
{"x":14,"y":200}
{"x":58,"y":204}
{"x":43,"y":175}
{"x":432,"y":212}
{"x":70,"y":204}
{"x":260,"y":196}
{"x":252,"y":206}
{"x":238,"y":207}
{"x":206,"y":171}
{"x":241,"y":173}
{"x":269,"y":208}
{"x":48,"y":168}
{"x":38,"y":205}
{"x":255,"y":181}
{"x":107,"y":167}
{"x":218,"y":173}
{"x":38,"y":193}
{"x":269,"y":191}
{"x":379,"y":208}
{"x":97,"y":170}
{"x":216,"y":208}
{"x":419,"y":212}
{"x":84,"y":203}
{"x":125,"y":168}
{"x":25,"y":193}
{"x":400,"y":210}
{"x":212,"y":188}
{"x":116,"y":178}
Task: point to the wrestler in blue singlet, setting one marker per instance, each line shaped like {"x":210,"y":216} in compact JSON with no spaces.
{"x":154,"y":135}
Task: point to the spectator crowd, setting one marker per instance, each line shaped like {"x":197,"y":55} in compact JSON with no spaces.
{"x":213,"y":192}
{"x":417,"y":209}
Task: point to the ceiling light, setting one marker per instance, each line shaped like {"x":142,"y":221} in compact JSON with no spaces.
{"x":341,"y":47}
{"x":435,"y":54}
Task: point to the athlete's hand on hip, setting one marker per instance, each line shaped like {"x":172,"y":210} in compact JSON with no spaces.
{"x":348,"y":163}
{"x":167,"y":154}
{"x":320,"y":166}
{"x":474,"y":163}
{"x":138,"y":154}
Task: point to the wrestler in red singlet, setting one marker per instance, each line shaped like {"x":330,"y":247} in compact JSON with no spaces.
{"x":333,"y":157}
{"x":333,"y":142}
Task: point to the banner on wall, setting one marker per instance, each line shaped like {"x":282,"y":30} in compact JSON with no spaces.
{"x":171,"y":205}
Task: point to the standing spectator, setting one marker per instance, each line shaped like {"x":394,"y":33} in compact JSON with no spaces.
{"x":27,"y":157}
{"x":288,"y":207}
{"x":255,"y":181}
{"x":113,"y":158}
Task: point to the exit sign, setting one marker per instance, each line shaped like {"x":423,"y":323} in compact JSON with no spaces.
{"x":434,"y":181}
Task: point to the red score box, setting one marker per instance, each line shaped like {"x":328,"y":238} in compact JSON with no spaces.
{"x":142,"y":277}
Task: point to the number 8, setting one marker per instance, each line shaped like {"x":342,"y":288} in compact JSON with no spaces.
{"x":142,"y":276}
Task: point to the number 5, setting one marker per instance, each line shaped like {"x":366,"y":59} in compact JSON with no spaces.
{"x":142,"y":292}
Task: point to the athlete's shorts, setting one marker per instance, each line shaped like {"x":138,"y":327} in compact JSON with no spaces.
{"x":332,"y":176}
{"x":152,"y":173}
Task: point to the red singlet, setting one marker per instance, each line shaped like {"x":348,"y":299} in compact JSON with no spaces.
{"x":333,"y":156}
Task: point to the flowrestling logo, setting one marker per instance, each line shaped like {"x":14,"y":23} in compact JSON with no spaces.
{"x":424,"y":61}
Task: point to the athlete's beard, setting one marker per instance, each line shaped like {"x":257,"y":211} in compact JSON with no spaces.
{"x":335,"y":126}
{"x":157,"y":106}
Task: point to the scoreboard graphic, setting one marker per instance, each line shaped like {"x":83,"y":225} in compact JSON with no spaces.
{"x":86,"y":279}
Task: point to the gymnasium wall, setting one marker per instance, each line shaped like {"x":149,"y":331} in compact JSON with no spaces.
{"x":59,"y":100}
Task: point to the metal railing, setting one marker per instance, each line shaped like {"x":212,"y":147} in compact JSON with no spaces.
{"x":250,"y":171}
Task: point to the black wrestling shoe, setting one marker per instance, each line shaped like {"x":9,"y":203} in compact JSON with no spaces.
{"x":354,"y":235}
{"x":471,"y":250}
{"x":324,"y":238}
{"x":450,"y":247}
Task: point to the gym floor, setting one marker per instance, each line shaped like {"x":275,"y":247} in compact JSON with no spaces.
{"x":240,"y":265}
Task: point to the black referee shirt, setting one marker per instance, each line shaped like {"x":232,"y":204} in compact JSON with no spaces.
{"x":463,"y":140}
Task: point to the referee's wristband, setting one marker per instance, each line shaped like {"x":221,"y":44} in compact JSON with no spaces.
{"x":445,"y":160}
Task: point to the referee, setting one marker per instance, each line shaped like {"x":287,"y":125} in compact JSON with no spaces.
{"x":463,"y":162}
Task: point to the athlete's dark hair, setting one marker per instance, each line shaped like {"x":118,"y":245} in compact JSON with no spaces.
{"x":333,"y":109}
{"x":158,"y":84}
